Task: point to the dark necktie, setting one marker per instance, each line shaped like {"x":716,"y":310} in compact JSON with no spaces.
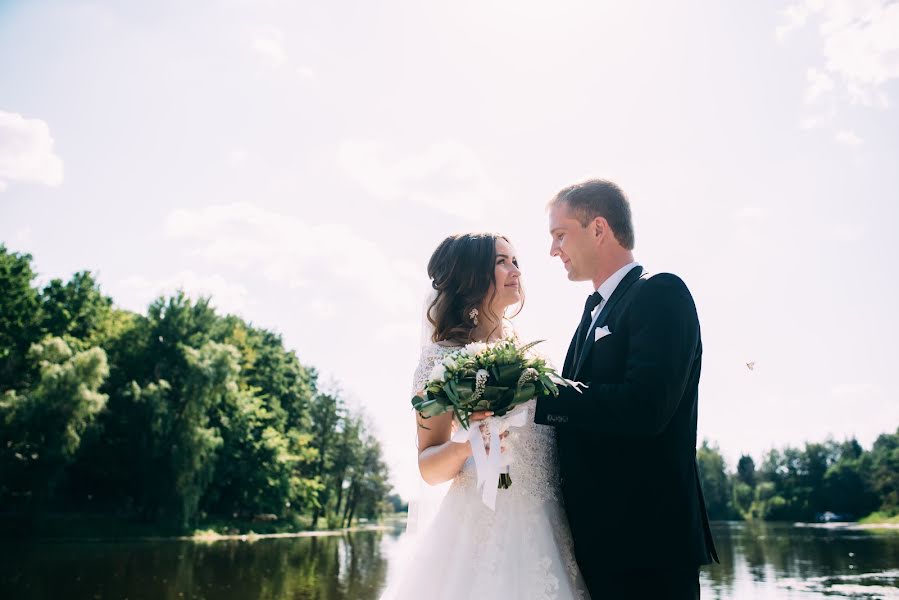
{"x":593,"y":301}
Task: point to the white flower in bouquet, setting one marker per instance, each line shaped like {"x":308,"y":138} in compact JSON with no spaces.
{"x":438,"y":373}
{"x":475,"y":348}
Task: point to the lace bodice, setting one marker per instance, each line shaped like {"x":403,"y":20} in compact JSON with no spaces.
{"x":531,"y":447}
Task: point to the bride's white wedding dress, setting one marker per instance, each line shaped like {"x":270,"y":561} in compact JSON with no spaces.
{"x":520,"y":551}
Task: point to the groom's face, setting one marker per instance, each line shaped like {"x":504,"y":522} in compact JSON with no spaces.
{"x":572,"y":243}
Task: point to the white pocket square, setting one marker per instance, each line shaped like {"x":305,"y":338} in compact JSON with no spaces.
{"x":601,"y":332}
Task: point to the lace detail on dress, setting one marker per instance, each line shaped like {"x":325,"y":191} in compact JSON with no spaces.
{"x":430,"y":354}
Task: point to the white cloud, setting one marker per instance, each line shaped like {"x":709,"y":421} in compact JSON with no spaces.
{"x":860,"y":45}
{"x":291,"y":252}
{"x":306,"y":72}
{"x":237,"y":156}
{"x":751,"y":212}
{"x":848,"y":137}
{"x":796,"y":16}
{"x":447,"y":176}
{"x":819,"y":83}
{"x":26,"y":152}
{"x":819,"y":119}
{"x":136,"y":292}
{"x":268,"y":44}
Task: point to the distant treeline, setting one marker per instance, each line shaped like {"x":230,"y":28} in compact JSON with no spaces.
{"x":177,"y":417}
{"x":801,"y":484}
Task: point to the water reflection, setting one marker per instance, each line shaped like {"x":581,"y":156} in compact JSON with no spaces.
{"x":758,"y":560}
{"x":319,"y":568}
{"x":778,"y":560}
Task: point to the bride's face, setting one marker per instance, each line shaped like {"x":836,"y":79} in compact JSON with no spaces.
{"x":507,"y":276}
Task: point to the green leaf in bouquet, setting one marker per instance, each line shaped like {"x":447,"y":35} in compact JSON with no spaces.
{"x":464,"y":389}
{"x":524,"y":393}
{"x":527,"y":347}
{"x":503,"y":402}
{"x":430,"y":408}
{"x":459,"y":408}
{"x":508,"y":375}
{"x":462,"y":417}
{"x":551,"y":387}
{"x":493,"y":393}
{"x":450,"y":390}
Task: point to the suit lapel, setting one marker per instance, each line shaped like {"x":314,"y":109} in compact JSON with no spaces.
{"x":632,"y":276}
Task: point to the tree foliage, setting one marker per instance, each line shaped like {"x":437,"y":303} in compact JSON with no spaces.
{"x":178,"y":416}
{"x":801,"y":484}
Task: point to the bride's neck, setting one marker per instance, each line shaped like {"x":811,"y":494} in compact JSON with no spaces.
{"x":487,"y":330}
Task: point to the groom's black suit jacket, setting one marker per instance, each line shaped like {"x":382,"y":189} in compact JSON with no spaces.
{"x":627,"y":444}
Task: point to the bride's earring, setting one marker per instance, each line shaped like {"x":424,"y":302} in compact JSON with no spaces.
{"x":473,"y":315}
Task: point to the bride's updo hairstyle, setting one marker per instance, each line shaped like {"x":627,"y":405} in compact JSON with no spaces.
{"x":461,"y":270}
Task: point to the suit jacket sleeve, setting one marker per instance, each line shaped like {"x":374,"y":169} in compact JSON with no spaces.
{"x":664,"y":338}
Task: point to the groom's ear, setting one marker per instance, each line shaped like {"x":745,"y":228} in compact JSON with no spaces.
{"x":599,"y":226}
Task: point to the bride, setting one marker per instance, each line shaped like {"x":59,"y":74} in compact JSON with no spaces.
{"x":522,"y":547}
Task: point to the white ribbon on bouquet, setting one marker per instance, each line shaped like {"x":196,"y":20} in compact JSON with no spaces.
{"x":490,"y":466}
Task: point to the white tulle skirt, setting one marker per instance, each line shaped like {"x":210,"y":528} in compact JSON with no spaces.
{"x":522,"y":551}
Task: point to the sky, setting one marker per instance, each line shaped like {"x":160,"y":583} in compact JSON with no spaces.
{"x":300,"y":161}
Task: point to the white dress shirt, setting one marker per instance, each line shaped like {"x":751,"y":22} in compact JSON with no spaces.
{"x":607,"y":288}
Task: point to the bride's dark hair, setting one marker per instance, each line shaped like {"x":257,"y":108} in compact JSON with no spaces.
{"x":462,"y":269}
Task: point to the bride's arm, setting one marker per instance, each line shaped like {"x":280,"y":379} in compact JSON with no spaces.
{"x":440,"y":459}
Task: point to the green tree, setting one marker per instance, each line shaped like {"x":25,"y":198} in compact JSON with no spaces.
{"x":20,"y":320}
{"x":881,"y":470}
{"x":347,"y":457}
{"x":845,"y":490}
{"x":746,"y":470}
{"x":43,"y":426}
{"x":715,"y":485}
{"x":325,"y":413}
{"x":75,"y":310}
{"x":768,"y":505}
{"x":743,"y":496}
{"x":368,"y":486}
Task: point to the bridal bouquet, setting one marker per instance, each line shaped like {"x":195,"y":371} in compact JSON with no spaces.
{"x":495,"y":377}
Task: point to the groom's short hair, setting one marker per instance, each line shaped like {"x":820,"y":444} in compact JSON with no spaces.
{"x":600,"y":198}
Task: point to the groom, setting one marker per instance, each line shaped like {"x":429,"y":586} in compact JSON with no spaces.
{"x":627,"y":444}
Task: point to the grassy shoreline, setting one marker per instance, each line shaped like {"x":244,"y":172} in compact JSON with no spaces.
{"x":880,"y":518}
{"x":67,"y":527}
{"x":98,"y":527}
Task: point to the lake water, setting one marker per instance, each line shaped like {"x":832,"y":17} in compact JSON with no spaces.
{"x":758,"y":561}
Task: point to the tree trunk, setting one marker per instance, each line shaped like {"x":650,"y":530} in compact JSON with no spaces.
{"x":350,"y":505}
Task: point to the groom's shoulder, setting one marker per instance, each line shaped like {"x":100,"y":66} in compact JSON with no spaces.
{"x":664,"y":284}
